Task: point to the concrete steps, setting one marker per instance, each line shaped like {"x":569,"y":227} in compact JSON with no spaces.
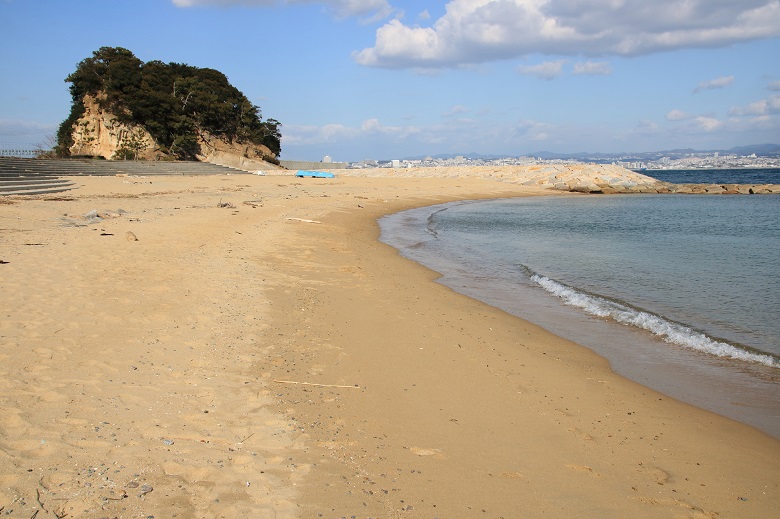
{"x":37,"y":191}
{"x":19,"y":176}
{"x":34,"y":186}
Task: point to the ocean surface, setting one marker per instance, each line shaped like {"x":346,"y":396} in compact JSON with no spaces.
{"x":679,"y":292}
{"x":719,"y":176}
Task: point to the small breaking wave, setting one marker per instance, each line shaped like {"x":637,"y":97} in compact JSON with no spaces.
{"x":432,"y":223}
{"x":669,"y":331}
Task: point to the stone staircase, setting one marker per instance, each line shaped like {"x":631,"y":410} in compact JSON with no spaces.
{"x":33,"y":185}
{"x":20,"y":176}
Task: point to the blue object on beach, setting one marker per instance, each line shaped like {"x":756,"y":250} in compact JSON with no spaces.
{"x":314,"y":174}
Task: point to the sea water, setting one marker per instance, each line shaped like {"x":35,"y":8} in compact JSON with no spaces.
{"x":679,"y":292}
{"x":720,"y":176}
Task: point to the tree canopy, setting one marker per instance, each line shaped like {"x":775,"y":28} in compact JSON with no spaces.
{"x":172,"y":101}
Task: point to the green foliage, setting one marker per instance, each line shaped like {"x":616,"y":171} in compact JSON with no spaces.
{"x":272,"y":136}
{"x":129,"y":146}
{"x":172,"y":101}
{"x":65,"y":131}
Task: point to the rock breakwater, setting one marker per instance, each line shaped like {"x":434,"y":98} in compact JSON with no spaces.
{"x":721,"y":189}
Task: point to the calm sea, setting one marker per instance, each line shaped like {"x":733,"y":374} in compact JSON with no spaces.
{"x":680,"y":292}
{"x":722,"y":176}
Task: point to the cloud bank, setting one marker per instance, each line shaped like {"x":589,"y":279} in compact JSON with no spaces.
{"x":547,"y":70}
{"x":366,"y":9}
{"x":592,"y":68}
{"x":720,"y":82}
{"x":762,"y":107}
{"x":479,"y":31}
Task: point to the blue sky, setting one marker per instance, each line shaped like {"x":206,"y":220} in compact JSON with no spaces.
{"x":383,"y":79}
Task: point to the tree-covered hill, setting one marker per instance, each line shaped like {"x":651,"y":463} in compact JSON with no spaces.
{"x":173,"y":101}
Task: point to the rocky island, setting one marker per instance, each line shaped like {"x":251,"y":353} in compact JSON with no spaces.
{"x":123,"y":108}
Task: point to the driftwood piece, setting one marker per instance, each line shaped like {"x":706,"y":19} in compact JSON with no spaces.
{"x":304,"y":220}
{"x":316,"y":385}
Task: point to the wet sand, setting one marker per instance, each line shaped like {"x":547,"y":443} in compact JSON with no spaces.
{"x":258,"y":353}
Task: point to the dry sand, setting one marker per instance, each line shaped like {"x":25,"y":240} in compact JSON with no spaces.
{"x":258,"y":353}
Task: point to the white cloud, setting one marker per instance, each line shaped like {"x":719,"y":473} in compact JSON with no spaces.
{"x":373,"y":126}
{"x":368,"y":10}
{"x":450,"y":135}
{"x":193,"y":3}
{"x":478,"y":31}
{"x":708,"y":124}
{"x":678,"y":115}
{"x":774,"y":85}
{"x":768,"y":106}
{"x":645,"y":127}
{"x":760,"y":118}
{"x":455,"y":110}
{"x":593,"y":68}
{"x":547,"y":70}
{"x":311,"y":135}
{"x":19,"y":125}
{"x":693,"y":122}
{"x":534,"y":131}
{"x":335,"y":133}
{"x":720,"y":82}
{"x":22,"y":134}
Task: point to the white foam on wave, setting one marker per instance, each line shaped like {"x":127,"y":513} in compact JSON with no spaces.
{"x":669,"y":331}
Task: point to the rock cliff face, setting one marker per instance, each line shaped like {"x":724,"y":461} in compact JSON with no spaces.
{"x":245,"y":156}
{"x":99,"y":133}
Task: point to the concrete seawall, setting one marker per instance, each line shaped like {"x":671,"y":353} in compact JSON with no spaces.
{"x":302,"y":164}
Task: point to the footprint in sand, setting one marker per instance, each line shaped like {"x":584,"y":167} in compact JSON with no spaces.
{"x":426,"y":452}
{"x":584,"y":468}
{"x":659,"y":476}
{"x":580,"y":434}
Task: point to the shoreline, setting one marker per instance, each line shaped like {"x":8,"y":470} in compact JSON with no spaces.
{"x":498,"y":434}
{"x":742,"y":390}
{"x":296,"y":368}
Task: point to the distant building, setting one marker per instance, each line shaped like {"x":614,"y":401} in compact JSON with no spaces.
{"x":327,"y":158}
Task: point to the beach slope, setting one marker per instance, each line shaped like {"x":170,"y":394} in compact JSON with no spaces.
{"x":243,"y":346}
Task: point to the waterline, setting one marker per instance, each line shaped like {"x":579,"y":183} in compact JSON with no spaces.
{"x":669,"y":331}
{"x":486,"y":263}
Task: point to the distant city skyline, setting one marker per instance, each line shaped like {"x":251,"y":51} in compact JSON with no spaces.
{"x":758,"y":157}
{"x":399,"y":78}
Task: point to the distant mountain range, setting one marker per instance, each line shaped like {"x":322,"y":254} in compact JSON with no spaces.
{"x":760,"y":150}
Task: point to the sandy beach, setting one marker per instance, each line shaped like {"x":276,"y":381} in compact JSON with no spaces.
{"x":243,"y":346}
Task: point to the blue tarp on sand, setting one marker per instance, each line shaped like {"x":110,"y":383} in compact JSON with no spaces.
{"x":315,"y":174}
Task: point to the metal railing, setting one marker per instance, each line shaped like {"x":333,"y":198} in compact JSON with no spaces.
{"x":19,"y":152}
